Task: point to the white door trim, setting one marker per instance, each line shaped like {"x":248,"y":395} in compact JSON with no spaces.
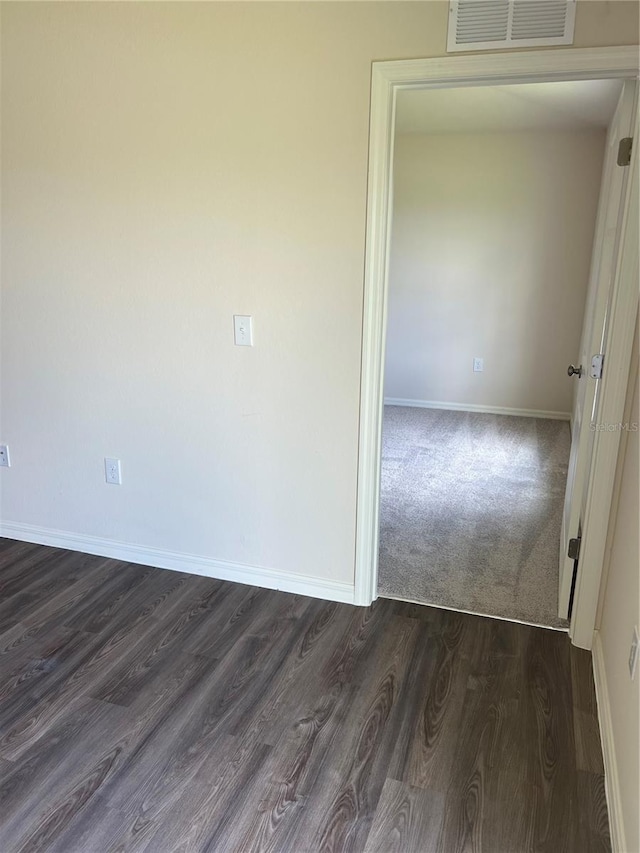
{"x":387,"y":79}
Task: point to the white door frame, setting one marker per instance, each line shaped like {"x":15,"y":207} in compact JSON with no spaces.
{"x":448,"y":72}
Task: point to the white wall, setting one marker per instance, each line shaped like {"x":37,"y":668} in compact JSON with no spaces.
{"x":491,"y":248}
{"x":163,"y":167}
{"x":620,"y":611}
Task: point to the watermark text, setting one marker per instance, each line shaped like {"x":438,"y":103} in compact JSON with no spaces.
{"x":628,"y":426}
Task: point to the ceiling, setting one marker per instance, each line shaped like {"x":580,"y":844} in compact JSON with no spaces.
{"x":525,"y":106}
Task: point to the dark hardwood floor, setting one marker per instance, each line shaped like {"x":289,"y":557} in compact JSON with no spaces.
{"x":148,"y":710}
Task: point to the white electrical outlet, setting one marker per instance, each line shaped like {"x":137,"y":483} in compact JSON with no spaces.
{"x":633,"y":653}
{"x":112,"y":471}
{"x":5,"y":462}
{"x":242,"y":330}
{"x":478,"y":365}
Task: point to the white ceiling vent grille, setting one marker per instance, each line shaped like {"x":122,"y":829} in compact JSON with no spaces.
{"x":502,"y":24}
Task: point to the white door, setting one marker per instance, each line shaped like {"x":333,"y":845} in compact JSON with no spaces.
{"x":585,"y":401}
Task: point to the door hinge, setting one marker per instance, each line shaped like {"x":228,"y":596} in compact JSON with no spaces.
{"x":574,"y":548}
{"x":597,"y":363}
{"x":624,"y":151}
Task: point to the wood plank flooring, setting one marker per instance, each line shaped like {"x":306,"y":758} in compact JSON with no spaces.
{"x":148,"y":710}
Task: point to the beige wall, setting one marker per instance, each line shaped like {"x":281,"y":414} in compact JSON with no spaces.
{"x":619,"y":613}
{"x":491,"y":248}
{"x":163,"y":167}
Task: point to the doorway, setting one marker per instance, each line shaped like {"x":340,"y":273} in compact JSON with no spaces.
{"x":388,"y":80}
{"x":493,"y":217}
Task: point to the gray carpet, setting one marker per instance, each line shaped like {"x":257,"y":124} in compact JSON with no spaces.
{"x":470,"y":511}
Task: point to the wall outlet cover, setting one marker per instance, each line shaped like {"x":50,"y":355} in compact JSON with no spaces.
{"x":112,"y":471}
{"x":478,"y":365}
{"x":5,"y":461}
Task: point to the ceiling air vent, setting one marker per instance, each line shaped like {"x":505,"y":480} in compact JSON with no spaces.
{"x":502,"y":24}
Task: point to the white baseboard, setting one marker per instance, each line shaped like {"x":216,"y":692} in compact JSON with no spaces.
{"x":176,"y":561}
{"x":611,"y":778}
{"x":472,"y":407}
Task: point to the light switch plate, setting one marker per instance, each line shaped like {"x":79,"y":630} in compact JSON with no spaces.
{"x":242,"y":330}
